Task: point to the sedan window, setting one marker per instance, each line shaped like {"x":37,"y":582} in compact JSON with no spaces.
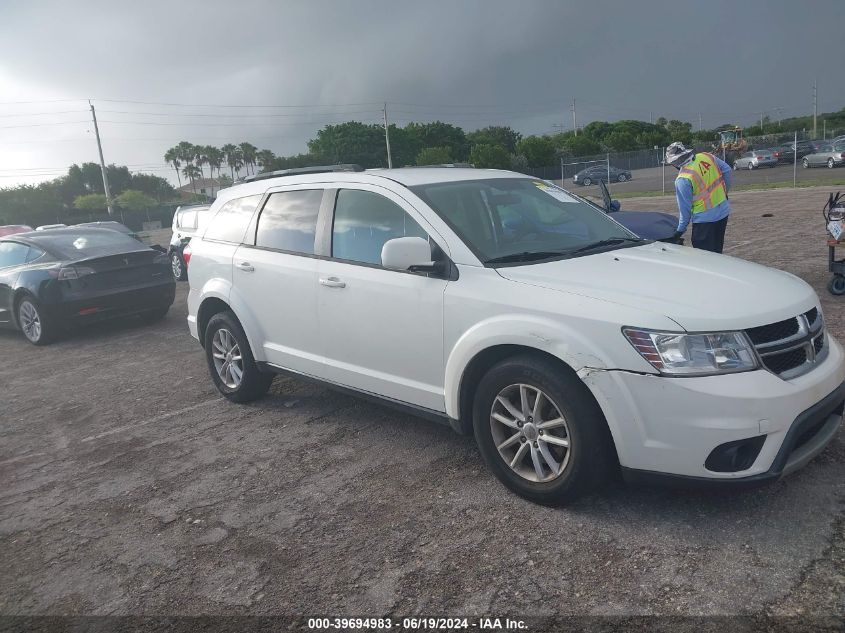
{"x":12,"y":254}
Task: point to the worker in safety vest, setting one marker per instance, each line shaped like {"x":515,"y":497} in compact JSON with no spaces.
{"x":701,"y":190}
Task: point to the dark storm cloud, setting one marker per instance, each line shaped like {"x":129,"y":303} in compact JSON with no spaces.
{"x":470,"y":62}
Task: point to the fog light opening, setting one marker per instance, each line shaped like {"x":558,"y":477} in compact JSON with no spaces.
{"x":735,"y":456}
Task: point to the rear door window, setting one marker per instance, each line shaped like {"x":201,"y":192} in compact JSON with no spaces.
{"x":12,"y":254}
{"x":288,"y":221}
{"x":231,"y":220}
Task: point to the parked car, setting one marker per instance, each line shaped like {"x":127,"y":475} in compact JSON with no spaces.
{"x":62,"y":277}
{"x":566,"y":353}
{"x":598,"y":173}
{"x":112,"y":225}
{"x":787,"y":150}
{"x":11,"y":229}
{"x":186,"y":222}
{"x":827,"y":155}
{"x":652,"y":225}
{"x":756,"y":159}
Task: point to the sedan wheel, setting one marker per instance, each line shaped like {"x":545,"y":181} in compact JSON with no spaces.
{"x":750,"y":166}
{"x":33,"y":322}
{"x":530,"y":433}
{"x":805,"y":163}
{"x":830,"y":163}
{"x":587,"y":182}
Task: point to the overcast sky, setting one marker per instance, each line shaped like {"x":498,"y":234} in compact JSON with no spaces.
{"x":468,"y":62}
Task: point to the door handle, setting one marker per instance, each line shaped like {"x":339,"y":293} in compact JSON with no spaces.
{"x":332,"y":282}
{"x":245,"y":266}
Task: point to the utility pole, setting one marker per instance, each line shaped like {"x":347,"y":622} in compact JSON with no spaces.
{"x":651,"y":117}
{"x":815,"y":108}
{"x":761,"y":123}
{"x":574,"y":120}
{"x":699,"y":122}
{"x":387,"y":138}
{"x":102,"y":162}
{"x":560,"y":127}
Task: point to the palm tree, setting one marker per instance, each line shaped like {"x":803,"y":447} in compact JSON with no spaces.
{"x":265,"y":158}
{"x":200,"y":158}
{"x":172,"y":156}
{"x":248,"y":151}
{"x":214,"y":158}
{"x":191,"y":172}
{"x":234,"y":158}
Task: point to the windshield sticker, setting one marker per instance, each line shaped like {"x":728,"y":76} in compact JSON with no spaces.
{"x":554,"y":192}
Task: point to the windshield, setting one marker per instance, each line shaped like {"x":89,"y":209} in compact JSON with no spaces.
{"x":517,"y":219}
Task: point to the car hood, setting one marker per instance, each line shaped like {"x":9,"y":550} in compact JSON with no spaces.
{"x":698,"y":290}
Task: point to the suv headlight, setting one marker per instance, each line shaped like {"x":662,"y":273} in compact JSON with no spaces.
{"x":703,"y":354}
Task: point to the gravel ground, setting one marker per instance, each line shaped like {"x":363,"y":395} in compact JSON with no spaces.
{"x":131,"y":487}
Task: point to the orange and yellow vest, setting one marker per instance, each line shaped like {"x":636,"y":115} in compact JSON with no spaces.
{"x":708,"y":185}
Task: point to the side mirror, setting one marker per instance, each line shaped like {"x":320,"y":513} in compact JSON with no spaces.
{"x":615,"y":205}
{"x":407,"y":253}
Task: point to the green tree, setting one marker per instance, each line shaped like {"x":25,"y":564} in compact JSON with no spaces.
{"x":172,"y":157}
{"x":539,"y":151}
{"x":437,"y":134}
{"x":351,"y":142}
{"x":490,"y":157}
{"x":192,"y":172}
{"x":248,"y":152}
{"x":133,"y":200}
{"x":233,"y":158}
{"x":500,"y":135}
{"x":151,"y":185}
{"x":91,"y":202}
{"x":265,"y":158}
{"x":434,"y":156}
{"x":679,"y":130}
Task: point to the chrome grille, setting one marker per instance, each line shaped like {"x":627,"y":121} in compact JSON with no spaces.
{"x":790,"y":347}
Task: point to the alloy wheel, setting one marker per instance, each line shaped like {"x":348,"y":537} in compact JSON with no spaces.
{"x":176,"y":266}
{"x":30,"y":321}
{"x":227,"y":358}
{"x":530,"y":433}
{"x":830,"y":163}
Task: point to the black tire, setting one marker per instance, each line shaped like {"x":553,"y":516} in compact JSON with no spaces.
{"x":587,"y":182}
{"x":253,"y":383}
{"x":621,"y":178}
{"x":153,"y":316}
{"x":836,"y":285}
{"x":805,"y":163}
{"x":177,"y":267}
{"x":831,"y":163}
{"x":590,"y":452}
{"x":46,"y":330}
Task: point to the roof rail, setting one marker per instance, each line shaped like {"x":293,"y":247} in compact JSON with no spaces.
{"x":456,"y":165}
{"x":317,"y":169}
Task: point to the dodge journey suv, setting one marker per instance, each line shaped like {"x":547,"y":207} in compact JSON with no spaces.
{"x":523,"y":314}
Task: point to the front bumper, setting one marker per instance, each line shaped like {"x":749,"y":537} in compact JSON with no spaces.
{"x":669,"y":426}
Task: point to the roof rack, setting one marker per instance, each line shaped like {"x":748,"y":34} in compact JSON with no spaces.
{"x":317,"y":169}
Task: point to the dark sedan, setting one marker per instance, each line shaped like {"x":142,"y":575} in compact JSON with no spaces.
{"x":599,"y":173}
{"x":60,"y":277}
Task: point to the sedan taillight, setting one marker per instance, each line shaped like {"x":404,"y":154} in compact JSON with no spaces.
{"x":186,"y":254}
{"x":66,"y":273}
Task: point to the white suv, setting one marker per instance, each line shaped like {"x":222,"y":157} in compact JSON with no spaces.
{"x":521,"y":313}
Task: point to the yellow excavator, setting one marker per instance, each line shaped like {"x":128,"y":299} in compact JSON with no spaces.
{"x":730,"y":144}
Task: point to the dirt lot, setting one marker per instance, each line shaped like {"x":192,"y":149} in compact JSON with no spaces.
{"x":131,"y":487}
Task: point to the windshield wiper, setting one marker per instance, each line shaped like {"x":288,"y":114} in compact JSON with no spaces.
{"x":526,"y":256}
{"x":609,"y":242}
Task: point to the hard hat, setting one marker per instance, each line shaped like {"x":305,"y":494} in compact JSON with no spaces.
{"x":676,"y":153}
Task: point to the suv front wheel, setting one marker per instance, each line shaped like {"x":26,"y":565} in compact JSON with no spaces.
{"x":540,"y":431}
{"x":230,"y":360}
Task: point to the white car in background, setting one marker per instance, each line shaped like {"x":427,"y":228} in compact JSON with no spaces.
{"x":515,"y":311}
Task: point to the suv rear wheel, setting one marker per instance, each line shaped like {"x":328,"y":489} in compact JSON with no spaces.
{"x":178,"y":267}
{"x":230,"y":360}
{"x":539,"y":431}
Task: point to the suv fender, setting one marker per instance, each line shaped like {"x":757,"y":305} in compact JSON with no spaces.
{"x":223,"y":290}
{"x":545,"y":335}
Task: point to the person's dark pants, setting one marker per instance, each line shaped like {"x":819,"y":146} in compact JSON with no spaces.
{"x":709,"y":236}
